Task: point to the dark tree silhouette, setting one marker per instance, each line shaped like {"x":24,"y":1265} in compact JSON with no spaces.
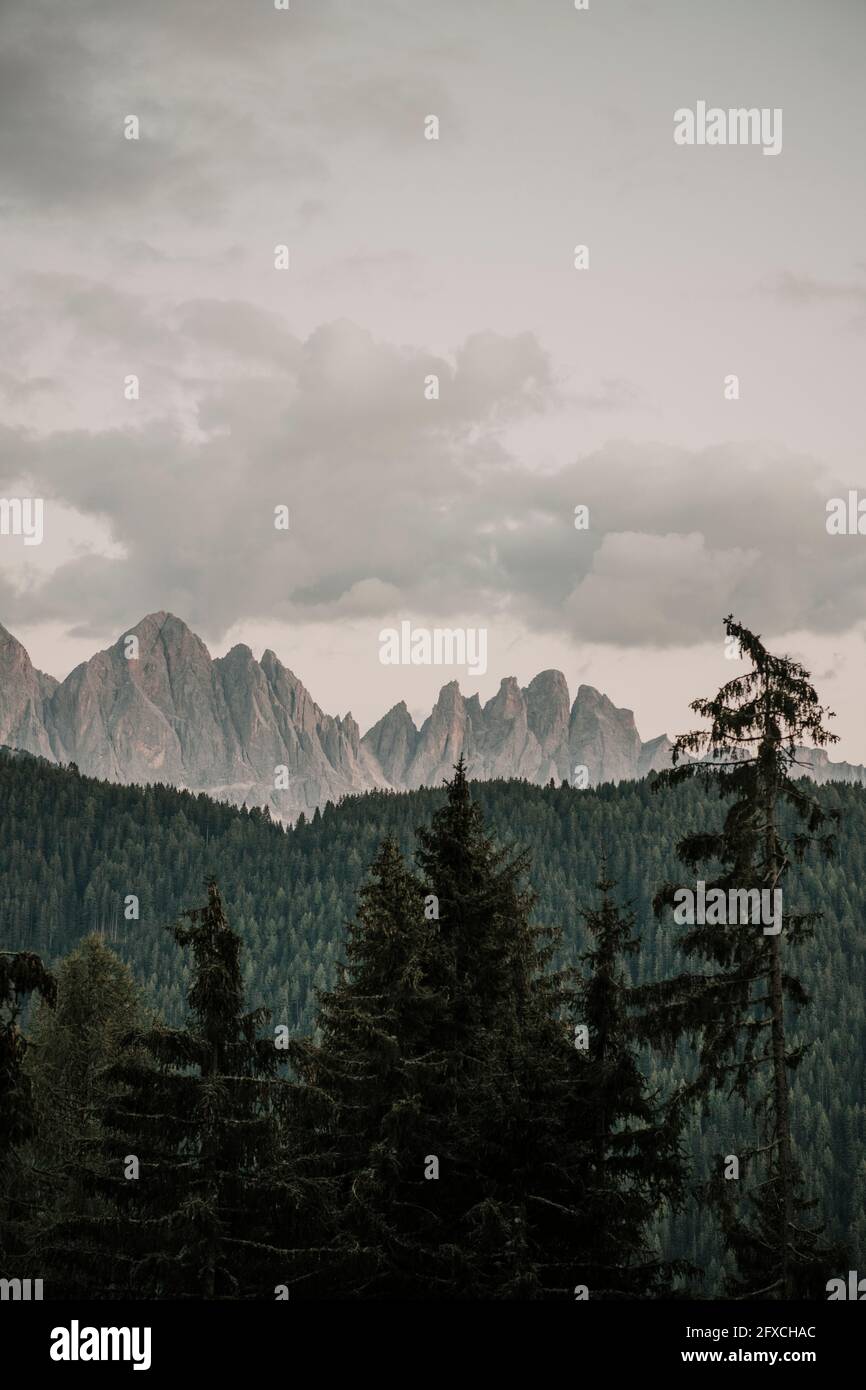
{"x":741,"y":1008}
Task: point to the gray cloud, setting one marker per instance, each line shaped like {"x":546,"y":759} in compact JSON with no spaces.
{"x":411,"y":258}
{"x":801,"y":290}
{"x":399,"y":500}
{"x":231,"y":99}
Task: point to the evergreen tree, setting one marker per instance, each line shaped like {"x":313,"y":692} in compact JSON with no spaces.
{"x":502,"y":1117}
{"x":74,"y":1043}
{"x":21,"y":973}
{"x":446,"y":1071}
{"x":634,"y":1168}
{"x":364,"y":1079}
{"x":742,"y":1008}
{"x":192,"y":1158}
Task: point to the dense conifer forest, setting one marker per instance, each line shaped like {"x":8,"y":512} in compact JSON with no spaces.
{"x":75,"y":850}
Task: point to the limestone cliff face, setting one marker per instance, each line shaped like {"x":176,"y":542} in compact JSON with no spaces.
{"x":154,"y":719}
{"x":815,"y":763}
{"x":390,"y":745}
{"x":655,"y":755}
{"x":238,"y":728}
{"x":548,"y":714}
{"x":603,"y":738}
{"x":23,"y":695}
{"x":519,"y":733}
{"x":176,"y":715}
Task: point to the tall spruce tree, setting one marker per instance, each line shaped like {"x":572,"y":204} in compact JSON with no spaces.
{"x":743,"y":1007}
{"x":22,"y":973}
{"x":364,"y":1079}
{"x":74,"y":1044}
{"x":192,"y":1155}
{"x":447,"y":1072}
{"x":502,"y":1118}
{"x":634,"y":1167}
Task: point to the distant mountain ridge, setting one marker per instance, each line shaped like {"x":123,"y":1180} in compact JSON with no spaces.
{"x":224,"y":725}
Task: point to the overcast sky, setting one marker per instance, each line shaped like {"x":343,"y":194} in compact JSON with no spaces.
{"x":409,"y":256}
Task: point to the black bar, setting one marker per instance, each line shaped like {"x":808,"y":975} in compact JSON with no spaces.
{"x":244,"y":1339}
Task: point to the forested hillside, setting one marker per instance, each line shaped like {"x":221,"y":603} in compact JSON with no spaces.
{"x":74,"y":849}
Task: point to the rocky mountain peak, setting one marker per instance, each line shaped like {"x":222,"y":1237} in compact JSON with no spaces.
{"x":23,"y":694}
{"x":249,"y":731}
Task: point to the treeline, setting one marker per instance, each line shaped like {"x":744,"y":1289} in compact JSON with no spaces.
{"x":441,"y":1136}
{"x":467,"y":1122}
{"x":445,"y":995}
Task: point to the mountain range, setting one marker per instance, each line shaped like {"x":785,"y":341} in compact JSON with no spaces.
{"x":243,"y":730}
